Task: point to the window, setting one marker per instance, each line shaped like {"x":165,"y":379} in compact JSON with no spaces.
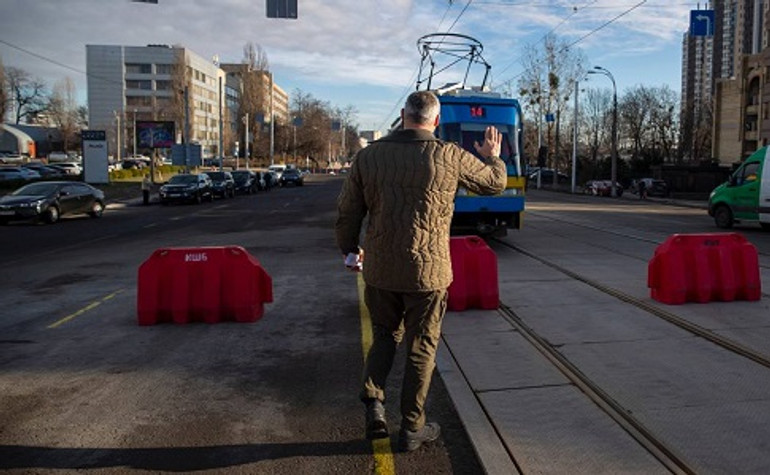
{"x":162,"y":85}
{"x":163,"y":68}
{"x":143,"y":101}
{"x":138,"y":68}
{"x":139,"y":84}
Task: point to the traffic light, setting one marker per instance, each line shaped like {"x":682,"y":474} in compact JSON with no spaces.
{"x":282,"y":9}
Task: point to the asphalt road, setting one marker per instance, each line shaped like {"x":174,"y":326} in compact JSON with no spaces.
{"x":82,"y":386}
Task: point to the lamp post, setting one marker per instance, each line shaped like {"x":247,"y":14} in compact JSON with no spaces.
{"x":614,"y":166}
{"x":134,"y":134}
{"x":245,"y":141}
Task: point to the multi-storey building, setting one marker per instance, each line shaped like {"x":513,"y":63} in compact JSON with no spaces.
{"x":742,"y":99}
{"x":278,"y":101}
{"x":135,"y":83}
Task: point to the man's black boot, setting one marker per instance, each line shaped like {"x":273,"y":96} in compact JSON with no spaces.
{"x":376,"y":426}
{"x":409,"y":440}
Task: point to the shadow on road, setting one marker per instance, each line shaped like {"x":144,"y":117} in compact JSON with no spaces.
{"x":177,"y":459}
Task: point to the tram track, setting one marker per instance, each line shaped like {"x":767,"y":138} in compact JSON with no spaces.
{"x":624,"y":417}
{"x":683,"y":323}
{"x":664,"y":453}
{"x":619,"y":234}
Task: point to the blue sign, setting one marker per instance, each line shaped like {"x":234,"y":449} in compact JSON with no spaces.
{"x":549,"y":117}
{"x":702,"y":23}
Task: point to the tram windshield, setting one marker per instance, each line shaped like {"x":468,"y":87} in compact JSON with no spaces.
{"x":466,"y":134}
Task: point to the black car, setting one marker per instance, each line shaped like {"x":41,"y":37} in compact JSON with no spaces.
{"x":223,"y":184}
{"x":50,"y":200}
{"x":187,"y":187}
{"x":292,"y":176}
{"x":246,"y":181}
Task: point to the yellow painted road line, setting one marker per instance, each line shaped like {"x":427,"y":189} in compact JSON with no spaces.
{"x":85,"y":309}
{"x":383,"y":454}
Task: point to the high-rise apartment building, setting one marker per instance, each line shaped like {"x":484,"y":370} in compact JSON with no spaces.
{"x":136,"y":83}
{"x":741,"y":105}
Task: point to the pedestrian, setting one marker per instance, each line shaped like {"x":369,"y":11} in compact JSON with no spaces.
{"x":146,"y":185}
{"x":404,"y":185}
{"x":642,"y":190}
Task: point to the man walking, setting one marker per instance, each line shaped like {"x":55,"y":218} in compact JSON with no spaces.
{"x":146,"y":185}
{"x":405,"y":185}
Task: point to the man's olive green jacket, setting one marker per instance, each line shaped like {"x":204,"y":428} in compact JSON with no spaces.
{"x":405,"y":184}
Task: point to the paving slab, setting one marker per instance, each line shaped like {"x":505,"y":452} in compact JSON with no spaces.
{"x":558,"y":430}
{"x":501,"y":360}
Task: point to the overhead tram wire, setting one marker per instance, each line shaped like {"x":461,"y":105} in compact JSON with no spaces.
{"x":600,"y":27}
{"x":57,"y":63}
{"x":417,"y":69}
{"x":574,"y":12}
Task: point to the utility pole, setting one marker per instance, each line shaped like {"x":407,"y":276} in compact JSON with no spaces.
{"x":134,"y":134}
{"x":272,"y":124}
{"x":575,"y":138}
{"x":246,"y":141}
{"x":186,"y":129}
{"x":117,"y":138}
{"x":221,"y":146}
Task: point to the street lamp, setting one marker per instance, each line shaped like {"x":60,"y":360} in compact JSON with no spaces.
{"x":134,"y":134}
{"x":614,"y":172}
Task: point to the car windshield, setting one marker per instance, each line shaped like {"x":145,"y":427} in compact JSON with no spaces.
{"x":183,"y":179}
{"x":240,"y":176}
{"x":216,"y":175}
{"x":36,"y":189}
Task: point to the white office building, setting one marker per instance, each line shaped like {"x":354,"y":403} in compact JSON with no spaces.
{"x":135,"y":83}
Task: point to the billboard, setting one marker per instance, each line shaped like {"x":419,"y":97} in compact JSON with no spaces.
{"x":154,"y":134}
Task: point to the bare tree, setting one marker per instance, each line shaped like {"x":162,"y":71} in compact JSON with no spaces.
{"x":255,"y":80}
{"x":63,"y":111}
{"x":28,"y":94}
{"x":649,"y":121}
{"x":181,"y":80}
{"x":550,"y":71}
{"x":596,"y":114}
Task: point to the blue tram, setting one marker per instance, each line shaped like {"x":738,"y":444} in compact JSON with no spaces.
{"x":465,"y":115}
{"x":466,"y":112}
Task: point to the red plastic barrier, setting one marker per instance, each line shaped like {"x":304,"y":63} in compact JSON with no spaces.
{"x":202,"y":284}
{"x":704,"y":267}
{"x":474,"y":266}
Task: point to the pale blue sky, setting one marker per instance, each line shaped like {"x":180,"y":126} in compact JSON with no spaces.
{"x":360,"y":53}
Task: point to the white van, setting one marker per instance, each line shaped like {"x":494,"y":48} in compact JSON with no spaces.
{"x":278,"y":169}
{"x":746,"y":195}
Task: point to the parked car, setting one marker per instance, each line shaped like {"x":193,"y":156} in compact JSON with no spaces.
{"x":70,"y":168}
{"x":246,"y":181}
{"x":272,"y":179}
{"x":49,"y":200}
{"x":223,"y":184}
{"x":18,"y":173}
{"x":44,"y":170}
{"x":546,"y":177}
{"x":292,"y":176}
{"x":652,"y":186}
{"x":187,"y":187}
{"x":602,"y":188}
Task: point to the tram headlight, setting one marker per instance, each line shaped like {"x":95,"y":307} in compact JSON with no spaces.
{"x":462,"y":191}
{"x":511,"y":192}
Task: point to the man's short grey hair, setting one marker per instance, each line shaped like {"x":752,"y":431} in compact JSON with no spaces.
{"x":421,"y":107}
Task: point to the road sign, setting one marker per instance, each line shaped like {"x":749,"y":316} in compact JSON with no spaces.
{"x":702,"y":23}
{"x":549,"y":117}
